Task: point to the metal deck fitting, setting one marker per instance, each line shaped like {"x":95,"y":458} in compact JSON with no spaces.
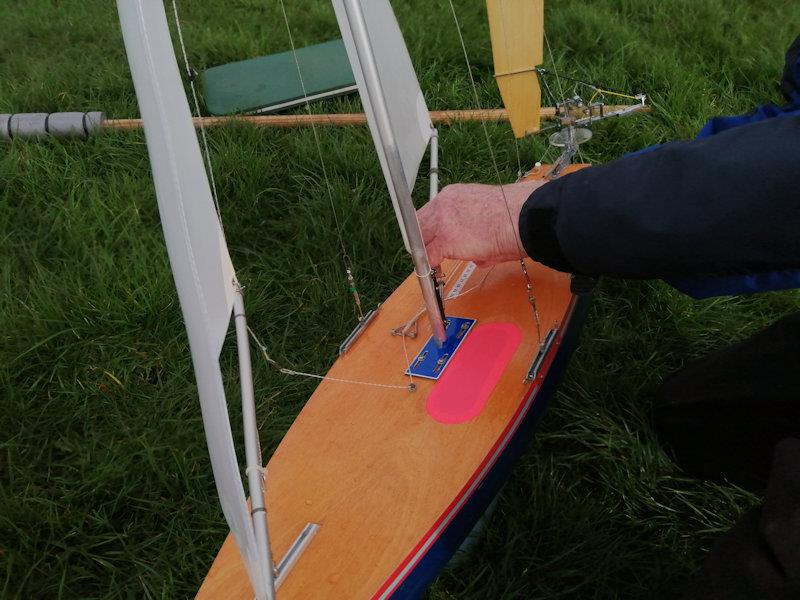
{"x":431,"y":361}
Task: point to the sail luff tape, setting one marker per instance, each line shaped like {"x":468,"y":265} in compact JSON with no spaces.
{"x":60,"y":124}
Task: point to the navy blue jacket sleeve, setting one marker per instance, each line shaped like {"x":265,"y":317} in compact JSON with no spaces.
{"x":724,"y":205}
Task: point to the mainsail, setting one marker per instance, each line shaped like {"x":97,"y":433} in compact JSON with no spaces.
{"x":408,"y":114}
{"x":204,"y":275}
{"x":516,"y":28}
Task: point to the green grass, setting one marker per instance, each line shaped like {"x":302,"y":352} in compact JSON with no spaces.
{"x":105,"y":487}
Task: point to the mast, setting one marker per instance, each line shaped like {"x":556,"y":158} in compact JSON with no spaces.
{"x":385,"y":136}
{"x":202,"y":269}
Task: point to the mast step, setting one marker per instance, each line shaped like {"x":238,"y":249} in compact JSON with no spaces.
{"x":431,"y":361}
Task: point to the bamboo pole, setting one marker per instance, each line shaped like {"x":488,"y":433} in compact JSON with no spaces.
{"x":438,"y":117}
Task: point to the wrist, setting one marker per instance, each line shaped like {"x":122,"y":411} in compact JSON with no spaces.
{"x":537,"y":226}
{"x":520,"y":198}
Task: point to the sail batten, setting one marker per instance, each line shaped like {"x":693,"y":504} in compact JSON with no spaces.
{"x":201,"y":266}
{"x":516,"y":28}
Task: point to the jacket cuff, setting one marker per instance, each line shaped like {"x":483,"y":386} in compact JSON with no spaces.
{"x":537,"y":227}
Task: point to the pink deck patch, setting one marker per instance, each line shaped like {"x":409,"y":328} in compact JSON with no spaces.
{"x":464,"y":388}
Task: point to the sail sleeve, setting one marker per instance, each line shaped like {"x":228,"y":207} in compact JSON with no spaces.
{"x":408,"y":114}
{"x":516,"y":28}
{"x":199,"y":259}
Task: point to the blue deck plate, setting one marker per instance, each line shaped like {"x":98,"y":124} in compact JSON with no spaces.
{"x":431,"y":361}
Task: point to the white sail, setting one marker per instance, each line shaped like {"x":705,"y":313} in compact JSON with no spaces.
{"x":201,"y":266}
{"x":408,"y":113}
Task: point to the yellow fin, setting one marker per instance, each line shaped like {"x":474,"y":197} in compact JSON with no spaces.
{"x":516,"y":28}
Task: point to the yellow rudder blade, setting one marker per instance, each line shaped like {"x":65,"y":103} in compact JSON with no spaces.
{"x":516,"y":28}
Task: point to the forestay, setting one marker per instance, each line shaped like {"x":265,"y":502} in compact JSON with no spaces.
{"x":408,"y":113}
{"x":201,"y":265}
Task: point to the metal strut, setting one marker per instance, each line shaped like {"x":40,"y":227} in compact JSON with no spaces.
{"x":255,"y":472}
{"x":538,"y":360}
{"x":570,"y":136}
{"x":363,"y":323}
{"x":374,"y":91}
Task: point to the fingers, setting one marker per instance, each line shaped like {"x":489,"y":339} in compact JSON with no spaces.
{"x":435,"y":253}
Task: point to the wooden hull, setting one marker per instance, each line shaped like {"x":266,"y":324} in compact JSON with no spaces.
{"x":394,"y":491}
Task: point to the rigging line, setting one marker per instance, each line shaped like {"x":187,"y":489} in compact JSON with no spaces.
{"x":547,"y":150}
{"x":591,"y":86}
{"x":190,"y":76}
{"x":516,"y":140}
{"x":405,"y":329}
{"x":348,"y":265}
{"x":555,"y":69}
{"x":519,"y":159}
{"x":553,"y":100}
{"x":476,"y":286}
{"x":408,"y":363}
{"x":421,"y":311}
{"x":272,"y":362}
{"x":528,"y":283}
{"x":610,"y":93}
{"x":580,"y":154}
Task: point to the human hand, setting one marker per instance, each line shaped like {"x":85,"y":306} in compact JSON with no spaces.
{"x":474,"y":222}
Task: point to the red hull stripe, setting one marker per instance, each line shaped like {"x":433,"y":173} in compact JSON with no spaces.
{"x":419,"y":551}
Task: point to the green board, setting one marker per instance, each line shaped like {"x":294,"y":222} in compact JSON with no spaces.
{"x":271,"y":83}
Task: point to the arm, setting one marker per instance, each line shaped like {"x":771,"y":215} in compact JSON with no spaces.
{"x":723,"y":205}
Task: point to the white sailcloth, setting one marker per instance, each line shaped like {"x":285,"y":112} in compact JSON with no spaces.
{"x":199,"y":258}
{"x":408,"y":113}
